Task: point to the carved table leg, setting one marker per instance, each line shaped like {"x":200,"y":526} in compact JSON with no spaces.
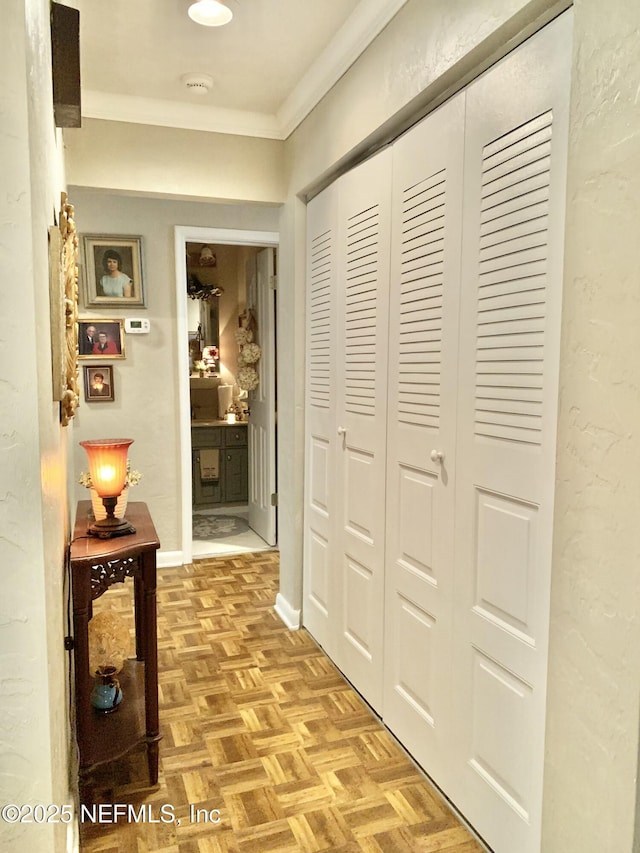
{"x":150,"y":648}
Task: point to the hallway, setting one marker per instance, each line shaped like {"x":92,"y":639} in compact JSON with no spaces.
{"x":258,"y":724}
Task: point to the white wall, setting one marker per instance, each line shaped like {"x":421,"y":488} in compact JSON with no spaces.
{"x":145,"y":407}
{"x":185,"y":163}
{"x":34,"y":729}
{"x":428,"y":50}
{"x":594,"y":667}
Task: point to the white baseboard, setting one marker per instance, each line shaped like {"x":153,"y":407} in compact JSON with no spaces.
{"x":169,"y":559}
{"x":286,"y":612}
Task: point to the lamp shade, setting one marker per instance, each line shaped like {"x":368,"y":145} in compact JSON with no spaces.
{"x":210,"y":13}
{"x":108,"y":464}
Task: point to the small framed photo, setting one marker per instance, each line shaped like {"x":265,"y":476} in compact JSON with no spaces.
{"x":98,"y":383}
{"x":100,"y":338}
{"x":112,"y":271}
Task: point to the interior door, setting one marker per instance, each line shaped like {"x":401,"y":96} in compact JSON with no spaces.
{"x":361,"y":381}
{"x":423,"y":365}
{"x":262,"y":405}
{"x":319,"y":614}
{"x":515,"y":162}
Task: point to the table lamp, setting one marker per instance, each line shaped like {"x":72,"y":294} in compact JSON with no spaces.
{"x":108,"y":470}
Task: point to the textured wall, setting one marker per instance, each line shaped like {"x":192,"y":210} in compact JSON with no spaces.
{"x":425,"y":51}
{"x":34,"y":733}
{"x":592,"y":728}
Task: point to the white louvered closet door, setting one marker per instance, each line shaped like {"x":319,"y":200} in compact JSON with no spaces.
{"x":423,"y":365}
{"x":515,"y":161}
{"x":361,"y":377}
{"x":320,"y":616}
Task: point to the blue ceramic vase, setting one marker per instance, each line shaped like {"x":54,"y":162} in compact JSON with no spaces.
{"x":106,"y":694}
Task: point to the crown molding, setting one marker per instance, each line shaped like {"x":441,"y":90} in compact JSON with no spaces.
{"x":165,"y":113}
{"x":367,"y":20}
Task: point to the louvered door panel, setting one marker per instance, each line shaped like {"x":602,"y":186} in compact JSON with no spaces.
{"x":321,"y":278}
{"x":515,"y":156}
{"x":512,"y":283}
{"x":423,"y":355}
{"x":361,"y":381}
{"x":361,"y":307}
{"x":319,"y":608}
{"x":419,"y":246}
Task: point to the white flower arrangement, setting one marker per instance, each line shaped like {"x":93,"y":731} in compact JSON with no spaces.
{"x":200,"y":365}
{"x":243,"y":336}
{"x":132,"y":478}
{"x":247,"y":378}
{"x":251,"y":353}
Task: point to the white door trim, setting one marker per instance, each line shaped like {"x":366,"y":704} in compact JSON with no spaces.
{"x":184,"y":234}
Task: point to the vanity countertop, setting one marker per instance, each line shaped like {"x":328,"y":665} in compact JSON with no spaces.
{"x":217,"y":423}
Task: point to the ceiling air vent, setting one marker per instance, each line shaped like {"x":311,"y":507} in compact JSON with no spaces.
{"x":199,"y":84}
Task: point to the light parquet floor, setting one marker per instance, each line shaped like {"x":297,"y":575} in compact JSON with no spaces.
{"x":259,"y":726}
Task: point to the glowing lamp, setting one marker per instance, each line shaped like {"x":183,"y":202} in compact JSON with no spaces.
{"x":108,"y":470}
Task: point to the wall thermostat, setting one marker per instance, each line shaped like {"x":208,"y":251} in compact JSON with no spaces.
{"x":138,"y":327}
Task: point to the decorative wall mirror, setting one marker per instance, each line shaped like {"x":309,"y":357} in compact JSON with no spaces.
{"x":204,"y":290}
{"x":209,"y":322}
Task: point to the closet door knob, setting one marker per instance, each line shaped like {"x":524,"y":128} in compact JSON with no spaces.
{"x":342,"y":430}
{"x":437,"y":456}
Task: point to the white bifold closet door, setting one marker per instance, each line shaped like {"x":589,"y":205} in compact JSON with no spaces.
{"x":348,"y":229}
{"x":320,"y":428}
{"x":434,"y":301}
{"x":513,"y":231}
{"x":423,"y":367}
{"x":361,"y":408}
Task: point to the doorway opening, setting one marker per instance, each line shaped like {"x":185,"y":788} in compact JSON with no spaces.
{"x":228,"y":469}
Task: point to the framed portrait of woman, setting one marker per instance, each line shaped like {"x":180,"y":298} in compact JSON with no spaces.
{"x":112,"y":271}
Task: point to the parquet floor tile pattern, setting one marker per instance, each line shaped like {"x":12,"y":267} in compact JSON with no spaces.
{"x":262,"y":734}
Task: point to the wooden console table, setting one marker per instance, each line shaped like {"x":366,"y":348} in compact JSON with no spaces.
{"x":96,"y":564}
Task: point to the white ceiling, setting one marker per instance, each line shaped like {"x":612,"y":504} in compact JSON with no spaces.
{"x":270,"y":65}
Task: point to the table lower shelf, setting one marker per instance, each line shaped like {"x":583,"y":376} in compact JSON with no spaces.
{"x":109,"y":736}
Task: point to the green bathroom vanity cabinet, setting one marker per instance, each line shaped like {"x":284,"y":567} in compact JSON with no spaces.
{"x":219,"y":463}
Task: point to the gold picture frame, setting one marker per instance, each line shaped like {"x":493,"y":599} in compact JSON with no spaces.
{"x":63,"y":303}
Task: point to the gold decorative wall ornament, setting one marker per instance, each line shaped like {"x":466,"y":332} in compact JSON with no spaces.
{"x":63,"y":255}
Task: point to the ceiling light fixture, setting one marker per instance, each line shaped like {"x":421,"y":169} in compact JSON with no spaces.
{"x":210,"y":13}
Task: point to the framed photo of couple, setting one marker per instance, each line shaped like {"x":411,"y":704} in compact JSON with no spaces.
{"x":113,"y":271}
{"x":100,"y":339}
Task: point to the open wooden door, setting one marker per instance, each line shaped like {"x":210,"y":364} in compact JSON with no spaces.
{"x":262,"y":405}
